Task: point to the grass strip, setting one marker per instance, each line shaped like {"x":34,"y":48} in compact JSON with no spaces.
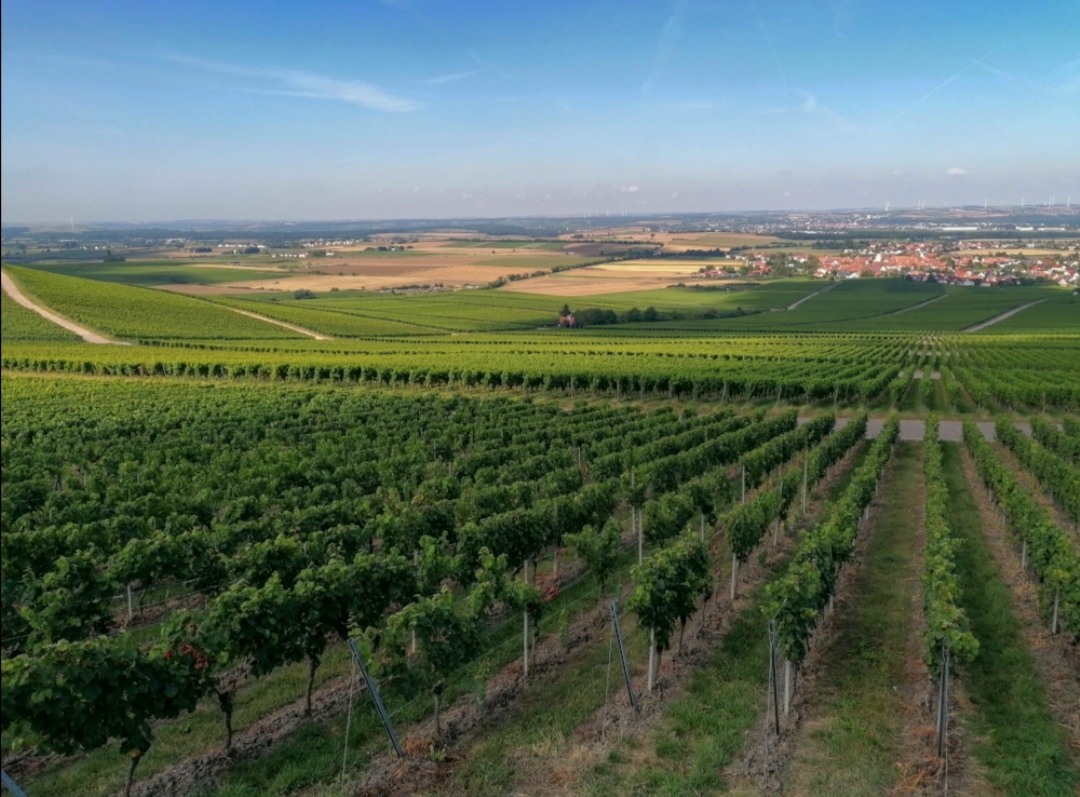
{"x":1022,"y":747}
{"x":852,"y":741}
{"x":705,"y":728}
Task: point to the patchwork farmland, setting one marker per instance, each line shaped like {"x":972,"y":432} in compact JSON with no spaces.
{"x":208,"y":531}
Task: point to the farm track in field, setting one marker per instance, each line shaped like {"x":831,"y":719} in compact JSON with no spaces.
{"x":12,"y":290}
{"x":1002,"y":317}
{"x":918,"y":306}
{"x":275,"y":322}
{"x":794,"y":305}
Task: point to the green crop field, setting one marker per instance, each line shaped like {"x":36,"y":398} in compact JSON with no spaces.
{"x":159,"y":272}
{"x":967,"y":306}
{"x":20,"y":323}
{"x":459,"y":487}
{"x":319,"y":317}
{"x":1060,"y":313}
{"x":479,"y":311}
{"x":131,"y":312}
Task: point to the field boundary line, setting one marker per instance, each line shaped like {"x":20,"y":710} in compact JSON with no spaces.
{"x":1003,"y":316}
{"x":793,"y":305}
{"x":293,"y":327}
{"x":12,"y":290}
{"x":917,"y":306}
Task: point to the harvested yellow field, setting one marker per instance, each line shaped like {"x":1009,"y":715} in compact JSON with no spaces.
{"x":380,"y":277}
{"x":584,"y":285}
{"x":660,"y":268}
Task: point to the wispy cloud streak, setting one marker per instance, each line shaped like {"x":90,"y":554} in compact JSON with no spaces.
{"x":297,"y":83}
{"x":665,"y":47}
{"x":453,"y":77}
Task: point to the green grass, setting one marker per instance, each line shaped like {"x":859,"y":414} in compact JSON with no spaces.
{"x":338,"y":323}
{"x":477,"y":311}
{"x":852,"y":741}
{"x":129,"y":312}
{"x":545,"y":717}
{"x":314,"y":756}
{"x":19,"y":323}
{"x":704,"y":729}
{"x":1055,"y":315}
{"x":1018,"y":741}
{"x":158,"y":272}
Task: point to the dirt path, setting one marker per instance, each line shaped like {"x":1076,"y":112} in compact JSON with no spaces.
{"x":274,"y":321}
{"x":811,"y":296}
{"x":917,"y":306}
{"x":913,"y":429}
{"x":12,"y":290}
{"x":1003,"y":316}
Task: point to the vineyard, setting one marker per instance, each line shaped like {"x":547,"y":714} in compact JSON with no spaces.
{"x":632,"y":558}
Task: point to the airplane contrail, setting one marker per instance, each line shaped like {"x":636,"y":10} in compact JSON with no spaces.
{"x":772,"y":47}
{"x":942,"y":85}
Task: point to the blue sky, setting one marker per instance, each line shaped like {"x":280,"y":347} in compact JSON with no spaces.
{"x":140,"y":111}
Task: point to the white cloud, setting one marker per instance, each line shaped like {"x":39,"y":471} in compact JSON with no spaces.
{"x":956,"y":171}
{"x":296,"y":83}
{"x":452,"y":77}
{"x":630,"y":189}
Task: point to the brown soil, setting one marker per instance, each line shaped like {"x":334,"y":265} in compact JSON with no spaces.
{"x":1055,"y":655}
{"x":422,"y":273}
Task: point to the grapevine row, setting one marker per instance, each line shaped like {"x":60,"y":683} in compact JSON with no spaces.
{"x":946,"y":621}
{"x":796,"y":599}
{"x":1060,"y":478}
{"x":1047,"y":547}
{"x":1062,"y":444}
{"x":747,"y":524}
